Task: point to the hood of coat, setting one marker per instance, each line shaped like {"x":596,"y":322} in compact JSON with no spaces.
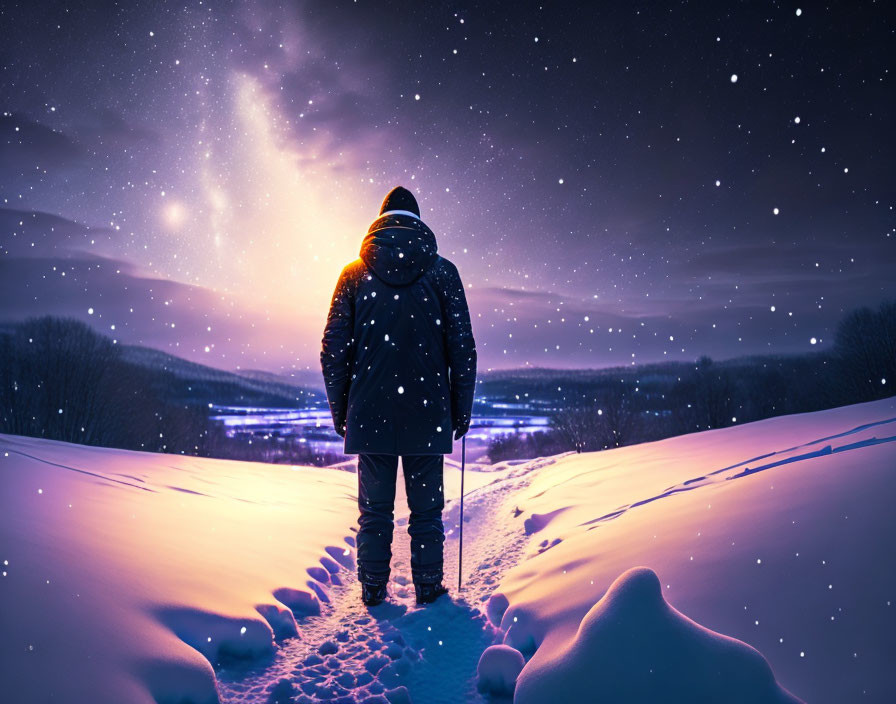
{"x":399,"y":248}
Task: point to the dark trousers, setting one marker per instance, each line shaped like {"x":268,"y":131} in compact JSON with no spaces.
{"x":376,"y":500}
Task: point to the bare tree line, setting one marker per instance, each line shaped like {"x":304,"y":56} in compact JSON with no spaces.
{"x":61,"y":380}
{"x":625,"y":410}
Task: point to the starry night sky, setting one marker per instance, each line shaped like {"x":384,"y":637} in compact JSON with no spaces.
{"x":618,"y":183}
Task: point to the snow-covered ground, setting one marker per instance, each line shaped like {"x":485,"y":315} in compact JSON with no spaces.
{"x":779,"y":533}
{"x":131,"y":577}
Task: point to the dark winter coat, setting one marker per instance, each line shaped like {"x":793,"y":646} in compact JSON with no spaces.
{"x":398,"y":355}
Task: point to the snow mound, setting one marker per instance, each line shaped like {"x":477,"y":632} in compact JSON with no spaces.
{"x":495,"y":607}
{"x":176,"y":681}
{"x":342,"y":555}
{"x":220,"y":637}
{"x":538,"y":521}
{"x":300,"y":601}
{"x":281,"y":620}
{"x":399,"y":695}
{"x":498,"y":669}
{"x":633,"y":646}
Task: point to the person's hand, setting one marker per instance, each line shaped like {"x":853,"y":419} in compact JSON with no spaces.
{"x":340,"y":429}
{"x":461,"y":429}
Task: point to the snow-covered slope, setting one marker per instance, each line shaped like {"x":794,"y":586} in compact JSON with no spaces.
{"x":126,"y":574}
{"x":115,"y":563}
{"x":117,"y":560}
{"x":778,"y":533}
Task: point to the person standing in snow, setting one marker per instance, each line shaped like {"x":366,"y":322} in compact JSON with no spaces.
{"x":399,"y":364}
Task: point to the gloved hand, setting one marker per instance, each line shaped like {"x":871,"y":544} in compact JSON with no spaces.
{"x":340,"y":428}
{"x":461,"y":429}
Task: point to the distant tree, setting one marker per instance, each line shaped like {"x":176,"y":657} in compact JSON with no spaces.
{"x":505,"y":447}
{"x":766,"y":393}
{"x":512,"y":446}
{"x":682,"y":397}
{"x":713,"y":401}
{"x":865,"y":354}
{"x":10,"y":422}
{"x":619,"y":419}
{"x":612,"y":419}
{"x":577,"y":427}
{"x":57,"y":373}
{"x":59,"y":379}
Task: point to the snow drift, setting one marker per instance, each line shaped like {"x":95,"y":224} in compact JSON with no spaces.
{"x":637,"y":648}
{"x":127,"y":575}
{"x":130,"y":573}
{"x":498,"y":669}
{"x":776,"y":533}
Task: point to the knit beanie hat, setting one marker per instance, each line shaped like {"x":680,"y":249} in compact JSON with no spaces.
{"x":400,"y":198}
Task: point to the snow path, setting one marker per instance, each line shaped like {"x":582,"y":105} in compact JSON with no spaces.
{"x":350,"y":653}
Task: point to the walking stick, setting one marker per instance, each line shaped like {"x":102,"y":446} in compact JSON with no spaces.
{"x":460,"y":552}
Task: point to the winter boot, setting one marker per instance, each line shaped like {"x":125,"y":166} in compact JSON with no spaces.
{"x":373,"y":593}
{"x":428,"y":592}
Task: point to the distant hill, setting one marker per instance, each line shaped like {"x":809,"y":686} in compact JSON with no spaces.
{"x":653,"y":369}
{"x":304,"y":387}
{"x":197,"y":383}
{"x":307,"y":378}
{"x":660,"y":369}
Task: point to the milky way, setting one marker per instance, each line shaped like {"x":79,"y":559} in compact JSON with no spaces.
{"x":616,"y":185}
